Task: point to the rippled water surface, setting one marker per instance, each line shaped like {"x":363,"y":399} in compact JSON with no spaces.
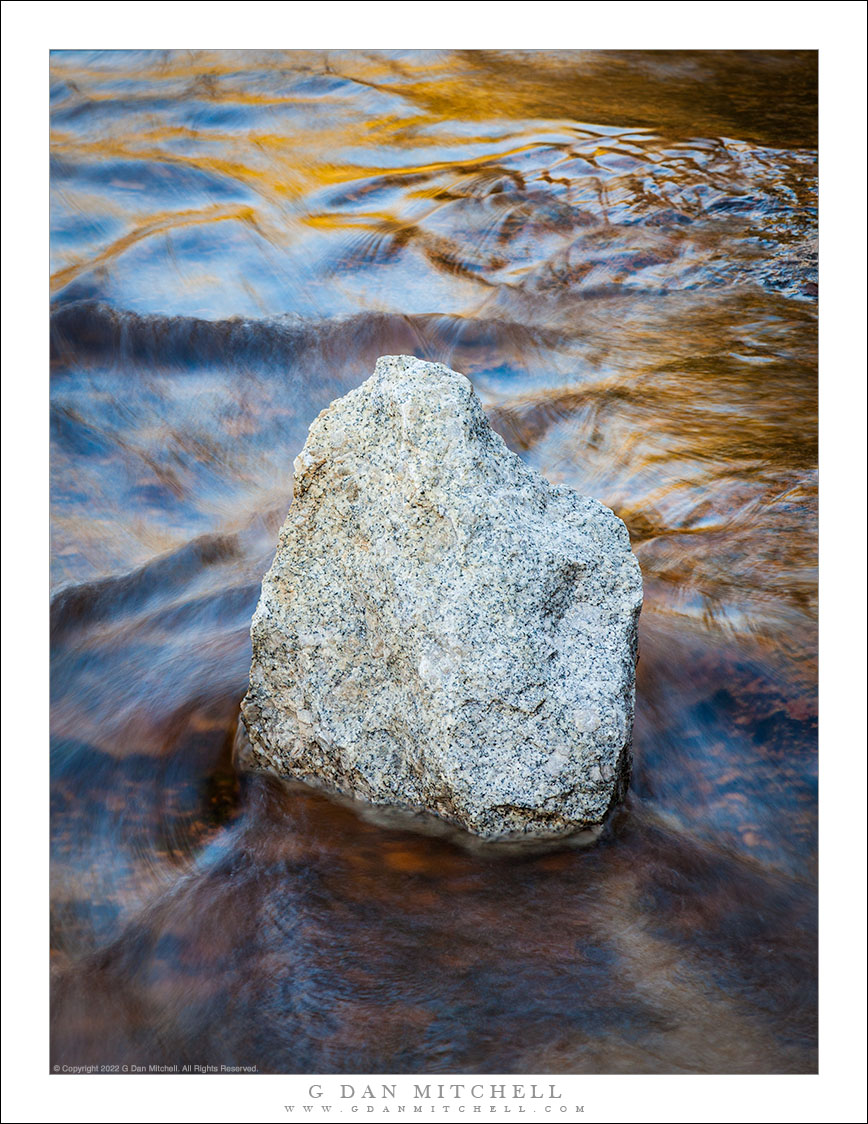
{"x":620,"y":251}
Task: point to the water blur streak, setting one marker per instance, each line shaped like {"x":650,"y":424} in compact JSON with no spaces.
{"x":619,"y":249}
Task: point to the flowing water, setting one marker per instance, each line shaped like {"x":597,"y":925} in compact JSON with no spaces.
{"x":620,"y":251}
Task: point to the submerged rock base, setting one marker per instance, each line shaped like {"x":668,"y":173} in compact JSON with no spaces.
{"x":442,"y":630}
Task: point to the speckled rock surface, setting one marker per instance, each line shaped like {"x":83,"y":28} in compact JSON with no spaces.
{"x":442,"y":629}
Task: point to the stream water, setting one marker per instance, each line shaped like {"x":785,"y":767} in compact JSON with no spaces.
{"x":620,"y":251}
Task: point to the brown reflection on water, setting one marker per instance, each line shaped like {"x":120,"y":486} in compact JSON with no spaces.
{"x":671,"y":91}
{"x":619,"y":249}
{"x":313,"y":941}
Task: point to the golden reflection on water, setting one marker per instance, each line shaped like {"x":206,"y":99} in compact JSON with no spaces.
{"x":619,"y":249}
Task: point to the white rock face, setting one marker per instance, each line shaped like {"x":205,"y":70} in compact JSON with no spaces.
{"x":442,"y":629}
